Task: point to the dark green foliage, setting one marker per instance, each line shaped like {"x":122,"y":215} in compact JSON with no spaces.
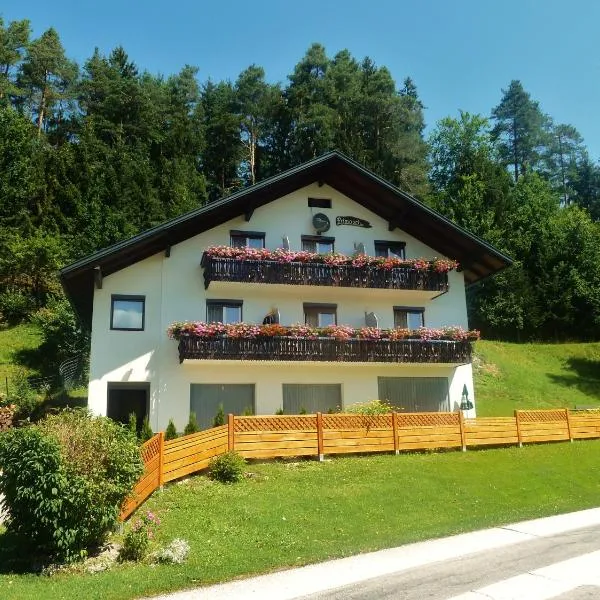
{"x":192,"y":425}
{"x":227,"y":468}
{"x":219,"y":417}
{"x":279,"y":411}
{"x":171,"y":431}
{"x":22,"y":394}
{"x":64,"y":481}
{"x":248,"y":411}
{"x":302,"y":410}
{"x":146,"y":432}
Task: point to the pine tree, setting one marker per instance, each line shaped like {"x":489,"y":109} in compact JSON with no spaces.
{"x":219,"y":417}
{"x":46,"y":77}
{"x":192,"y":425}
{"x":146,"y":433}
{"x":171,"y":431}
{"x":519,"y":129}
{"x":14,"y":40}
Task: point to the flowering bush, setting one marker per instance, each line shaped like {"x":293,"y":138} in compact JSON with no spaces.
{"x":137,"y":540}
{"x":339,"y":332}
{"x":175,"y":553}
{"x":438,"y":265}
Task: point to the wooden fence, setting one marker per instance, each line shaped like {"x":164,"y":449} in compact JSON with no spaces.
{"x":274,"y":436}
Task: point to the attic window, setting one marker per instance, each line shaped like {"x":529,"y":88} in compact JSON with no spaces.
{"x":319,"y":202}
{"x":252,"y":239}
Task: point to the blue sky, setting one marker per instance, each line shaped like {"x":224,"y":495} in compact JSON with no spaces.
{"x":460,"y":53}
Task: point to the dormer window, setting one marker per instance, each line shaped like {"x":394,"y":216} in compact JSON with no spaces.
{"x":250,"y":239}
{"x":318,"y":244}
{"x":390,"y":249}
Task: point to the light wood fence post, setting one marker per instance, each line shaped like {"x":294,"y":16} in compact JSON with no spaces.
{"x":161,"y":459}
{"x":230,"y":432}
{"x":518,"y":422}
{"x":320,"y":435}
{"x":395,"y":431}
{"x":461,"y":424}
{"x":568,"y":417}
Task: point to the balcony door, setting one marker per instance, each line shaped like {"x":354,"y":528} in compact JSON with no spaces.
{"x":205,"y":399}
{"x":415,"y":394}
{"x":311,"y":397}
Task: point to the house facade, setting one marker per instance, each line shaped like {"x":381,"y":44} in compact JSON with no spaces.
{"x":321,"y":332}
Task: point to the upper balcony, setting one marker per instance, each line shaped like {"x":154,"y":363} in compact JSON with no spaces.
{"x":337,"y":344}
{"x":248,"y":265}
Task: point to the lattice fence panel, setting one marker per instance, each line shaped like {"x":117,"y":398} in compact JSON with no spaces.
{"x":427,"y":419}
{"x":150,"y":449}
{"x":357,"y":421}
{"x":276,"y":423}
{"x":541,"y":416}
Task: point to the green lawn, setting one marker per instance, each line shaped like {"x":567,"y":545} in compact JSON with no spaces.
{"x":510,"y":376}
{"x":14,"y":343}
{"x":293,"y":514}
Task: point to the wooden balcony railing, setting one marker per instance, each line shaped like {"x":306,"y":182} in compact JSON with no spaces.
{"x":302,"y":273}
{"x":284,"y":348}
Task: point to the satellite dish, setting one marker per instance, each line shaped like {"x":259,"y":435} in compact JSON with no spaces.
{"x":321,"y":222}
{"x":285,"y":242}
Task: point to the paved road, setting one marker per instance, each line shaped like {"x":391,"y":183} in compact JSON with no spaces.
{"x":565,"y":566}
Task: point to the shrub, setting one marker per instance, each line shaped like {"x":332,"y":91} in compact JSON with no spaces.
{"x":192,"y":425}
{"x":248,"y":412}
{"x":136,"y":542}
{"x":132,"y":424}
{"x":227,"y":468}
{"x":146,"y":433}
{"x":279,"y":411}
{"x":15,"y":306}
{"x":23,"y":396}
{"x":302,"y":411}
{"x":171,"y":431}
{"x":64,"y":481}
{"x":219,"y":417}
{"x":372,"y":407}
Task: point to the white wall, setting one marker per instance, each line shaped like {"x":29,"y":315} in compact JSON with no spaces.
{"x":174,"y":291}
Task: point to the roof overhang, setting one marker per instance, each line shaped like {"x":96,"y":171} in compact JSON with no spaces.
{"x":478,"y":259}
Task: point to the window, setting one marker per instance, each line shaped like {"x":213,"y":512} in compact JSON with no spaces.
{"x":319,"y":202}
{"x":320,"y":315}
{"x":390,"y":249}
{"x":317,"y":243}
{"x":252,"y":239}
{"x":127,"y":313}
{"x":224,"y":311}
{"x":408,"y":317}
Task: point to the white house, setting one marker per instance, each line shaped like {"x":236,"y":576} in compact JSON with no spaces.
{"x":132,"y":292}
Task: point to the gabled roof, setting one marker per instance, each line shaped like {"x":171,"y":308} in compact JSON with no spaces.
{"x":478,"y":258}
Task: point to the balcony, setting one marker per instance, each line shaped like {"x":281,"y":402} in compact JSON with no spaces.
{"x":325,"y":349}
{"x":321,"y":274}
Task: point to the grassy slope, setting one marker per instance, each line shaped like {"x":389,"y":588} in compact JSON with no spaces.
{"x":510,"y":376}
{"x":12,"y":341}
{"x":293,"y":514}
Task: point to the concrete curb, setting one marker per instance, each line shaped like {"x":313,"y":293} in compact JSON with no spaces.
{"x":295,"y":583}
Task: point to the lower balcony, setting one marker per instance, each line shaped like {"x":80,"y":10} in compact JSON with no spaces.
{"x":325,"y":349}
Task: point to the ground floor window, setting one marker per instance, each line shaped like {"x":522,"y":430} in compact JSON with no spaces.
{"x":311,"y":398}
{"x":206,"y":398}
{"x":415,"y":394}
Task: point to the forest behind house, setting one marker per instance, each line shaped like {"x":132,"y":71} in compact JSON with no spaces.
{"x":92,"y":154}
